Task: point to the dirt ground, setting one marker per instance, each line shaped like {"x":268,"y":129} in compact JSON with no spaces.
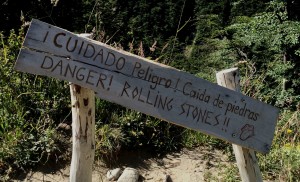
{"x":199,"y":164}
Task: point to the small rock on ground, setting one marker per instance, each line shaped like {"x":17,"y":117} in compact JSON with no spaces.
{"x":113,"y":174}
{"x":129,"y":175}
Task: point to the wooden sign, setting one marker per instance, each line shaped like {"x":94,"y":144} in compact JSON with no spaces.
{"x":148,"y":87}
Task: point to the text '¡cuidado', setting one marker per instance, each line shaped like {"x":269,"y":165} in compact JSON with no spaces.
{"x":87,"y":50}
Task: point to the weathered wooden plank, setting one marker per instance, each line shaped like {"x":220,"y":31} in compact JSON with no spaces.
{"x":149,"y":87}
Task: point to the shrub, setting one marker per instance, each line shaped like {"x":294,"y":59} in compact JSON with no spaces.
{"x":31,"y":108}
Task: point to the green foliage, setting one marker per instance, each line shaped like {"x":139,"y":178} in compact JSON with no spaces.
{"x":283,"y":162}
{"x":109,"y":142}
{"x":267,"y":46}
{"x":248,"y":7}
{"x":270,"y":53}
{"x":130,"y":129}
{"x":193,"y":138}
{"x":31,"y":106}
{"x":133,"y":22}
{"x":231,"y":174}
{"x":145,"y":131}
{"x":256,"y":32}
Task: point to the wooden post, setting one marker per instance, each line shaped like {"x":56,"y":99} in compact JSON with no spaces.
{"x":83,"y":132}
{"x":246,"y":159}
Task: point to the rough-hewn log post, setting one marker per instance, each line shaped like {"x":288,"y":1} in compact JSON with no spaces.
{"x":83,"y":133}
{"x":246,"y":159}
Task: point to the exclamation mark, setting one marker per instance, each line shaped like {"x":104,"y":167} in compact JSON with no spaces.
{"x":110,"y":81}
{"x":176,"y":85}
{"x":45,"y":38}
{"x":225,"y":124}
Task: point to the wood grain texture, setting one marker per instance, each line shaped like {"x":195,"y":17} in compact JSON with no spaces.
{"x":149,"y":87}
{"x":83,"y":133}
{"x":246,"y":159}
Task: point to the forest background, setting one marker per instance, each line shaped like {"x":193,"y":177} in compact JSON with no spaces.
{"x":201,"y":37}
